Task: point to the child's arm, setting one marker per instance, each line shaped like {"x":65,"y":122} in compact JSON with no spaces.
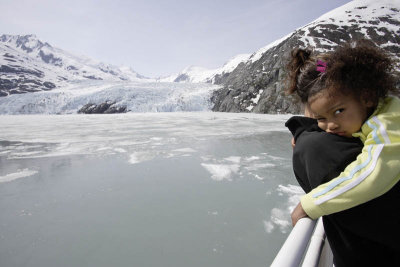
{"x":375,"y":171}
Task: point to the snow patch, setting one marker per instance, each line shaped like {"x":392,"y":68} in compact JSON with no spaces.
{"x":257,"y":55}
{"x":195,"y":74}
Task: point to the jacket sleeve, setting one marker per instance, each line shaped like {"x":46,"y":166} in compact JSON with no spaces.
{"x":375,"y":171}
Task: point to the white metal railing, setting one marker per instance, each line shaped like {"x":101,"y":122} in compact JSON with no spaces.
{"x":305,"y":246}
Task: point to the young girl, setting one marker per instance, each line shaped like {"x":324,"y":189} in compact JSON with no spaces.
{"x":346,"y":92}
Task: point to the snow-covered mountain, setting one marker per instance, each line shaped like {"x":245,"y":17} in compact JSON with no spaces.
{"x":37,"y":78}
{"x":29,"y":65}
{"x":195,"y":74}
{"x":258,"y":85}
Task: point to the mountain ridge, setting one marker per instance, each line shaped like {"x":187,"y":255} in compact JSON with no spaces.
{"x":28,"y":64}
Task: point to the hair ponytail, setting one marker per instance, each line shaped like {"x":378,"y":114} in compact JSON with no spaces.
{"x":298,"y":59}
{"x":303,"y":74}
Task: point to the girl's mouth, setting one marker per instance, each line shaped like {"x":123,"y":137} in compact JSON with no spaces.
{"x":340,"y":133}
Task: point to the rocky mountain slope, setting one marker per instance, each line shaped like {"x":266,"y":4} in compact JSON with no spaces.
{"x":30,"y":65}
{"x":257,"y":84}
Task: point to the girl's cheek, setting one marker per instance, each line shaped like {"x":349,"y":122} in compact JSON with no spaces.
{"x":322,"y":125}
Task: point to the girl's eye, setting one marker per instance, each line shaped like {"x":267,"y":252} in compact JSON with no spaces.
{"x":339,"y":111}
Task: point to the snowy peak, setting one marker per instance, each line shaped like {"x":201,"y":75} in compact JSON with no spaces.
{"x":27,"y":64}
{"x":357,"y":19}
{"x":362,"y":11}
{"x":233,"y":63}
{"x":26,"y":43}
{"x":196,"y":74}
{"x":378,"y":21}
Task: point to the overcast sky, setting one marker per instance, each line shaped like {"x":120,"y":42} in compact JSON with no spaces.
{"x":160,"y":37}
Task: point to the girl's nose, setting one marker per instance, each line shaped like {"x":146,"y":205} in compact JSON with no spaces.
{"x":332,"y":126}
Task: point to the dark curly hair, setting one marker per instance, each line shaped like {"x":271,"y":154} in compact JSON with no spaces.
{"x":362,"y":69}
{"x":356,"y":68}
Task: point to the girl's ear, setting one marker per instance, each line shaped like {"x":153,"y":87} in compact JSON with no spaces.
{"x":307,"y":111}
{"x":369,"y":103}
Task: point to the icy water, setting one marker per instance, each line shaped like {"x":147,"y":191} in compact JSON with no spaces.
{"x":144,"y":189}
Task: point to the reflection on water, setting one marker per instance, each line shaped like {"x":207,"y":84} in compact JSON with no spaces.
{"x":166,"y":189}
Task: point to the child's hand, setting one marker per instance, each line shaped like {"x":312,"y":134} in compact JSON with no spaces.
{"x":298,"y":213}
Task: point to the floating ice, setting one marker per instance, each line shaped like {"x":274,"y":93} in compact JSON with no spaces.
{"x":138,"y":157}
{"x":38,"y":136}
{"x":221,"y":172}
{"x":259,"y":166}
{"x":16,"y":175}
{"x":269,"y":226}
{"x":234,"y":159}
{"x":280,"y":217}
{"x":252,"y":158}
{"x":185,"y":150}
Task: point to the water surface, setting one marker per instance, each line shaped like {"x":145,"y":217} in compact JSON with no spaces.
{"x":144,"y":189}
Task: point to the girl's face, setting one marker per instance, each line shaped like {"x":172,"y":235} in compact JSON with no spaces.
{"x":337,"y":113}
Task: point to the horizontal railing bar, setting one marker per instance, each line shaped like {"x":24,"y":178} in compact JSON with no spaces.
{"x":292,"y":251}
{"x":313,"y":253}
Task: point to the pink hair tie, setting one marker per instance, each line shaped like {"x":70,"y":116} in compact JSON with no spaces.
{"x":321,"y":66}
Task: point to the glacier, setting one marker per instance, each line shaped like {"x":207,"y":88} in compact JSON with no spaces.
{"x":135,"y":96}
